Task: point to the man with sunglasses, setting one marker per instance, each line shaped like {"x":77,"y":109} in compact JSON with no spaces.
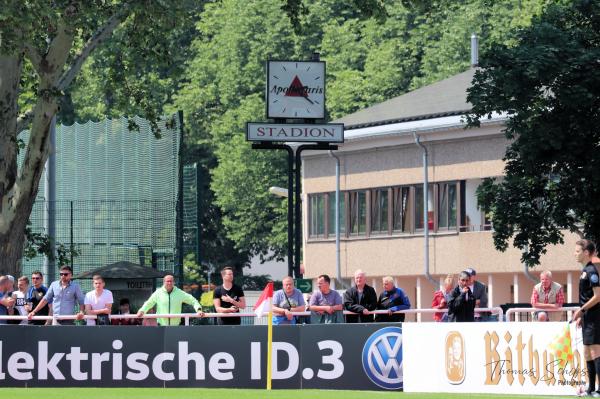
{"x":35,"y":294}
{"x":64,"y":294}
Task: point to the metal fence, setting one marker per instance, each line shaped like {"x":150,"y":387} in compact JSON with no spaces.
{"x":103,"y":232}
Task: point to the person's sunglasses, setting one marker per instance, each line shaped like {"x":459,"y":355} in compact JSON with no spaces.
{"x":36,"y":278}
{"x":64,"y":274}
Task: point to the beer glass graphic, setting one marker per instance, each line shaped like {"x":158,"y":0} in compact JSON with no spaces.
{"x":455,"y":358}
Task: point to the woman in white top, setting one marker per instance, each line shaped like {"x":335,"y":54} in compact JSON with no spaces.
{"x":99,"y":301}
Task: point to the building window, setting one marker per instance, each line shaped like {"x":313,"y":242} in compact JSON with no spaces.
{"x":419,"y":208}
{"x":379,"y":210}
{"x":402,"y":205}
{"x":317,"y":215}
{"x":447,"y":206}
{"x":358,"y":213}
{"x":331,"y":225}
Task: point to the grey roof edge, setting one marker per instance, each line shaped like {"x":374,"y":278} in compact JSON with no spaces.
{"x":441,"y":98}
{"x":406,"y":119}
{"x":429,"y":129}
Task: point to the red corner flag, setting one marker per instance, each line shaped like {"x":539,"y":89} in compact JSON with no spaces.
{"x":263,"y":305}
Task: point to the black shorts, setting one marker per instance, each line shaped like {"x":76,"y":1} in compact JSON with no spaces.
{"x":591,"y":328}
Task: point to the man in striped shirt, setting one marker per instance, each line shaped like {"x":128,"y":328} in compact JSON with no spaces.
{"x":546,"y":295}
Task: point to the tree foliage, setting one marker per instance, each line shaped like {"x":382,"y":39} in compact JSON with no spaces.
{"x":371,"y":57}
{"x":137,"y":51}
{"x":548,"y":85}
{"x":106,"y":58}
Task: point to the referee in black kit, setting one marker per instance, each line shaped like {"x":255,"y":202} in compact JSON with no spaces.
{"x":589,"y":299}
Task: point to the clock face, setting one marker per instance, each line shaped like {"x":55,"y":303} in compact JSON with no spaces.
{"x":296,"y":89}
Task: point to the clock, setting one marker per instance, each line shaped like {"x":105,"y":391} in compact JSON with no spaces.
{"x":296,"y":89}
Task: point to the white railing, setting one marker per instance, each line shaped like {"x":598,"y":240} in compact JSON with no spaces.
{"x":188,"y":316}
{"x":515,"y":311}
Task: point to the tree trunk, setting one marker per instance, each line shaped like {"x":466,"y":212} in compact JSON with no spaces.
{"x":18,"y":190}
{"x":11,"y":245}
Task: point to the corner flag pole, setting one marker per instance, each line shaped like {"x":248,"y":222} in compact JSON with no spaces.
{"x":269,"y":343}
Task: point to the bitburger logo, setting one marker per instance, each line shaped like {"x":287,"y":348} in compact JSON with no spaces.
{"x":455,"y":358}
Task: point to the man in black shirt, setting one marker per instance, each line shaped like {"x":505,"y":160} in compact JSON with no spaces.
{"x":588,"y":314}
{"x":461,"y":306}
{"x":360,"y":299}
{"x":228,"y":298}
{"x":35,"y":294}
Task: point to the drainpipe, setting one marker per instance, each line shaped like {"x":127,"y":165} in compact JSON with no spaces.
{"x":337,"y":218}
{"x":474,"y":51}
{"x":425,"y":211}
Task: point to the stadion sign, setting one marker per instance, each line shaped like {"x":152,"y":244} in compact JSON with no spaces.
{"x":507,"y":358}
{"x":326,"y":133}
{"x":342,"y":356}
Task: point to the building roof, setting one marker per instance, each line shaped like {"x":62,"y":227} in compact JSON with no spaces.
{"x":123,"y":270}
{"x":444,"y":98}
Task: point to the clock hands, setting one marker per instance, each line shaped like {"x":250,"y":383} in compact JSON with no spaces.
{"x":297,"y":89}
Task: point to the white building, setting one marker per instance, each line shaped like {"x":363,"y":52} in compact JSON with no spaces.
{"x":381,"y":182}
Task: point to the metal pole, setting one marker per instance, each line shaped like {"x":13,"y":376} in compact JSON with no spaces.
{"x":290,"y":212}
{"x":179,"y":211}
{"x":198,"y":220}
{"x":298,"y":214}
{"x":338,"y":267}
{"x":425,"y":211}
{"x":71,"y":233}
{"x":50,"y":209}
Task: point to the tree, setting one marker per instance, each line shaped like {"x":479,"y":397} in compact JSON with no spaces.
{"x":369,"y":60}
{"x":43,"y":47}
{"x":548,"y":85}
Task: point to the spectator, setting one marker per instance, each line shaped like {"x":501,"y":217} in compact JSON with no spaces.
{"x":9,"y":292}
{"x":64,"y":294}
{"x":168,"y":299}
{"x":441,"y":299}
{"x":461,"y":306}
{"x":305,"y":319}
{"x":6,"y":301}
{"x":325,"y":303}
{"x":150,"y":322}
{"x":11,"y":287}
{"x":98,"y":302}
{"x":479,"y":291}
{"x":546,"y":294}
{"x":228,"y":298}
{"x":20,"y":296}
{"x":35,"y":294}
{"x":393,"y":299}
{"x":125,"y":309}
{"x":360,"y":299}
{"x":286,"y":301}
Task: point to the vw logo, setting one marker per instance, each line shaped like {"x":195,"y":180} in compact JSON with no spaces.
{"x":382,"y":358}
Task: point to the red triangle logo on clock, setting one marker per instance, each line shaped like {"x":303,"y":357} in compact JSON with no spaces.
{"x":296,"y":89}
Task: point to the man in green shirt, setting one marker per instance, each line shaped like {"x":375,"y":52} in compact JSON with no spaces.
{"x":168,"y":299}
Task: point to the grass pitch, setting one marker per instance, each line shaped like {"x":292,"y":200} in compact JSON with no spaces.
{"x":200,"y":393}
